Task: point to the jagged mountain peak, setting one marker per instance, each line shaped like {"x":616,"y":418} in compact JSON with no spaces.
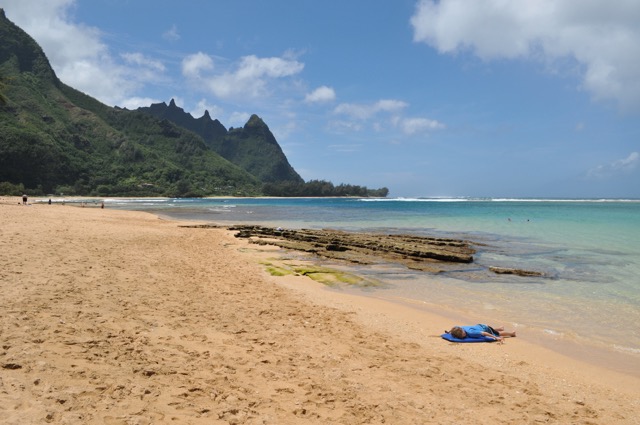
{"x":254,"y":121}
{"x":252,"y":147}
{"x":174,"y":106}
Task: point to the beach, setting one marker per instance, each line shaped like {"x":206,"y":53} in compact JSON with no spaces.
{"x":121,"y":317}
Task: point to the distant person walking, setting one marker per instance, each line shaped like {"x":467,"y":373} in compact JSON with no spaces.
{"x":24,"y":199}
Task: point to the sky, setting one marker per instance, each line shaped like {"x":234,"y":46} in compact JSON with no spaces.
{"x":450,"y":98}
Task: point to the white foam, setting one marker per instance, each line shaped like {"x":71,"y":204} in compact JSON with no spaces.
{"x":626,"y":349}
{"x":481,"y":199}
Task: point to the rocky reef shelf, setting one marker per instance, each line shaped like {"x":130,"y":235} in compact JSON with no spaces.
{"x":424,"y":253}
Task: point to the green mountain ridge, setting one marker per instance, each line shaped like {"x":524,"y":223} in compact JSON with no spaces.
{"x":55,"y":139}
{"x":253,"y":147}
{"x":212,"y":131}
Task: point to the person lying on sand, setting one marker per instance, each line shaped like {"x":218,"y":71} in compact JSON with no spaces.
{"x":480,"y":330}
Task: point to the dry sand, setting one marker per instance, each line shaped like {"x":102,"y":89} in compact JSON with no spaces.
{"x":115,"y":317}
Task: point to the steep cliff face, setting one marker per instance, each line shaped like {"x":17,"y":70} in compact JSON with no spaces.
{"x":255,"y":126}
{"x":252,"y":147}
{"x":212,"y":131}
{"x":255,"y":149}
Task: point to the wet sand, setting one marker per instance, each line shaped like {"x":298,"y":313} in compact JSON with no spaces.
{"x":119,"y":317}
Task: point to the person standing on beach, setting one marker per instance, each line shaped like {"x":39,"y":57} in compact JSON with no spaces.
{"x":24,"y":199}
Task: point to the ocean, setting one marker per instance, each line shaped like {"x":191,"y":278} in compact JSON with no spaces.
{"x":587,"y":306}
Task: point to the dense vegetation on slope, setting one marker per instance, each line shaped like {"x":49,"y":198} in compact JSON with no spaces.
{"x":212,"y":131}
{"x":57,"y":140}
{"x":252,"y":147}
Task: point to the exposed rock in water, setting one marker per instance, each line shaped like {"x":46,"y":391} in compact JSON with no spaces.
{"x":429,"y":254}
{"x":420,"y":253}
{"x":518,"y":272}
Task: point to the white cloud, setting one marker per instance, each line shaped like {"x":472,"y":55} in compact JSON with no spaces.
{"x":214,"y":111}
{"x":251,"y":77}
{"x":77,"y":53}
{"x":143,"y":61}
{"x":411,"y":126}
{"x":137,"y":102}
{"x":390,"y":105}
{"x":193,"y":65}
{"x":255,"y":67}
{"x":366,"y":111}
{"x":342,"y":126}
{"x":321,"y":95}
{"x":140,"y":70}
{"x":602,"y":36}
{"x":102,"y":79}
{"x":625,"y":165}
{"x":171,"y":34}
{"x":383,"y":114}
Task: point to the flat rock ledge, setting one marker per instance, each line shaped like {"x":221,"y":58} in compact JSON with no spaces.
{"x":419,"y":253}
{"x":429,"y":254}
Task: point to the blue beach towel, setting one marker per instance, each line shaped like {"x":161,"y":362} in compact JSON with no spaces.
{"x":452,"y":338}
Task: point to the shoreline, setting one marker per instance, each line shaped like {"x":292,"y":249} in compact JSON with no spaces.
{"x":569,"y":361}
{"x":606,"y":358}
{"x":394,"y":316}
{"x":603,"y":357}
{"x":113,"y":315}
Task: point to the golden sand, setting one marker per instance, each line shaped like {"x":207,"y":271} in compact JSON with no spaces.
{"x":115,"y":317}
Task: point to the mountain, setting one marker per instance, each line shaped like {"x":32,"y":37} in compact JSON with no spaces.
{"x":212,"y":131}
{"x":253,"y":147}
{"x":55,"y":139}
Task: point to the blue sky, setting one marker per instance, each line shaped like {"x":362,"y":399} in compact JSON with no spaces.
{"x":529,"y":98}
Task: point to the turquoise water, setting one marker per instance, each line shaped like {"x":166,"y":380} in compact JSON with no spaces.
{"x":590,"y":249}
